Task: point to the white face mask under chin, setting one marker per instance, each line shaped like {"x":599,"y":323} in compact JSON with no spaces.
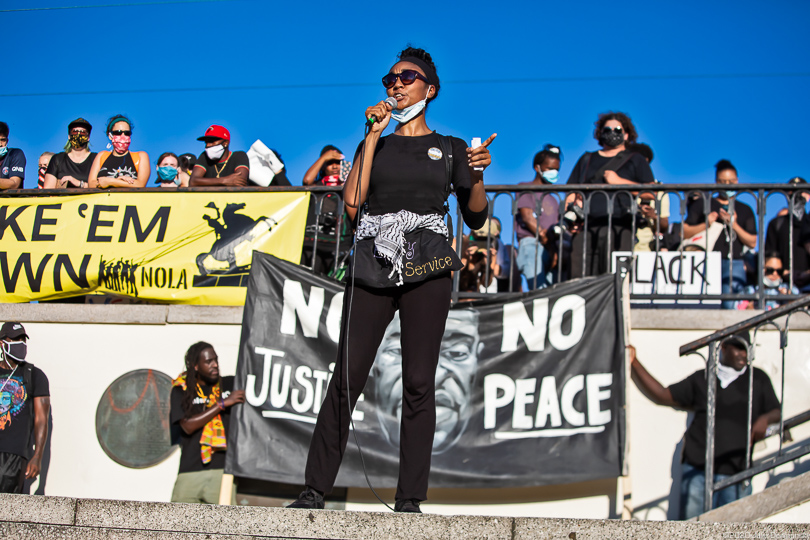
{"x":409,"y":113}
{"x":727,"y":374}
{"x":215,"y":152}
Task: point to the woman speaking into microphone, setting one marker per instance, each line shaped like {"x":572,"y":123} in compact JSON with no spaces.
{"x":399,"y":185}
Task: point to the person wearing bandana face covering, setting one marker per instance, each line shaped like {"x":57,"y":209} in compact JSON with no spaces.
{"x":24,"y":408}
{"x":12,"y":163}
{"x":613,"y":165}
{"x":731,"y":419}
{"x":71,"y":168}
{"x":121,"y":167}
{"x":404,"y":188}
{"x":538,"y":213}
{"x":778,"y":236}
{"x":739,"y":229}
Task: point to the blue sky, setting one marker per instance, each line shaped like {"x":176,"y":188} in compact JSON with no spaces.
{"x":702,"y":81}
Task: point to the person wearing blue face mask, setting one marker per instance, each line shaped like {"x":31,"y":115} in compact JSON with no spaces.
{"x":12,"y":162}
{"x":168,"y":171}
{"x":538,"y":213}
{"x":739,"y":228}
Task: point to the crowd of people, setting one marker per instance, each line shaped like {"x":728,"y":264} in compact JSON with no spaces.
{"x":558,"y":236}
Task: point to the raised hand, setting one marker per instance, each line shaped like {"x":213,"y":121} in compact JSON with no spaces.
{"x":480,"y":157}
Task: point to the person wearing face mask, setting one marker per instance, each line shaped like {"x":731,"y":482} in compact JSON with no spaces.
{"x":168,"y":172}
{"x":71,"y":168}
{"x":613,"y":165}
{"x":121,"y":167}
{"x":405,"y":181}
{"x":772,"y":285}
{"x":538,"y":213}
{"x":778,"y":236}
{"x":218,"y":165}
{"x":731,"y":416}
{"x":739,"y":228}
{"x":44,"y":161}
{"x":24,"y":408}
{"x":12,"y":162}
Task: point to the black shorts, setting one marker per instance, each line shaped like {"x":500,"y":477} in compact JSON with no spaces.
{"x":12,"y":472}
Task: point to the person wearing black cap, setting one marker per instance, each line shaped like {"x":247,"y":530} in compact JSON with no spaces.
{"x":24,"y":408}
{"x":732,"y":419}
{"x":71,"y":168}
{"x":405,"y":181}
{"x":778,"y":236}
{"x":218,"y":165}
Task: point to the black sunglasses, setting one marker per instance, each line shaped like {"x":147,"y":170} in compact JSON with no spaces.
{"x":769,"y":270}
{"x":607,"y":129}
{"x":407,"y":76}
{"x":126,"y":132}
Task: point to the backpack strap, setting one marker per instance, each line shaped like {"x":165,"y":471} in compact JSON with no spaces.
{"x":447,"y":151}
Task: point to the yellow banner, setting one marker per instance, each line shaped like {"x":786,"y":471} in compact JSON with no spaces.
{"x":179,"y":247}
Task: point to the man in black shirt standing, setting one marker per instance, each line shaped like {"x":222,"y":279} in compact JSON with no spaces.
{"x":614,"y":165}
{"x":201,"y":404}
{"x":731,"y":413}
{"x":739,"y":229}
{"x":778,"y":237}
{"x":24,"y":407}
{"x":218,"y":165}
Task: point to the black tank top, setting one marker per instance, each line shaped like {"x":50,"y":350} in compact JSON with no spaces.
{"x":116,"y":166}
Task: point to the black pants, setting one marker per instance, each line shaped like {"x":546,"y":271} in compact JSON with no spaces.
{"x":597,"y":256}
{"x":423,"y":311}
{"x":12,"y":472}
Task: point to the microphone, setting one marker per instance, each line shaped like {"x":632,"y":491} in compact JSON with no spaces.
{"x":391,"y":101}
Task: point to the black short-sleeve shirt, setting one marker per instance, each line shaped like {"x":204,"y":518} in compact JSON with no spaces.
{"x":17,"y":408}
{"x":190,"y":459}
{"x":695,"y":215}
{"x":730,"y":420}
{"x":223,"y":167}
{"x":61,"y":165}
{"x":635,"y":168}
{"x":410,"y":173}
{"x":777,"y":239}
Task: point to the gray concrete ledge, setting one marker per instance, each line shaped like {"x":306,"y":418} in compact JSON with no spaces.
{"x":773,"y":500}
{"x":26,"y":516}
{"x":708,"y":320}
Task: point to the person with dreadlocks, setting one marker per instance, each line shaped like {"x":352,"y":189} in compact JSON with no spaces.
{"x":200,"y":405}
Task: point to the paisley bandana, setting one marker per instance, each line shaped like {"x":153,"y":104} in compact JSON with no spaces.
{"x":121,"y":143}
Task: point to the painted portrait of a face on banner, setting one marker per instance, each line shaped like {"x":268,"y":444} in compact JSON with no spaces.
{"x":529,"y":389}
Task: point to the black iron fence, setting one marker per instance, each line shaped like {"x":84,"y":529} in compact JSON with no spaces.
{"x":778,"y":319}
{"x":590,"y":227}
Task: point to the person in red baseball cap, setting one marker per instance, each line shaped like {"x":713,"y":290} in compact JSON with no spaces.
{"x":218,"y":166}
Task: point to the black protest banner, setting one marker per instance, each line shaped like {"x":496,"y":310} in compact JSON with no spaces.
{"x":529,"y":390}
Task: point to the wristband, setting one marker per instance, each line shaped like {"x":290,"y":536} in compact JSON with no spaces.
{"x":221,"y":404}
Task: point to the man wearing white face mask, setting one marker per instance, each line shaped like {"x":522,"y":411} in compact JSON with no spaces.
{"x":538,"y":212}
{"x":218,"y":165}
{"x":24,"y":408}
{"x":731,"y":427}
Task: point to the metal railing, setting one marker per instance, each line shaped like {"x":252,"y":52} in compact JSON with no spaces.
{"x":621,"y":216}
{"x":713,"y":341}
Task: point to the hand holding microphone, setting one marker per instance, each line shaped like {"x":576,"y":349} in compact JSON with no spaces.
{"x":379,"y":115}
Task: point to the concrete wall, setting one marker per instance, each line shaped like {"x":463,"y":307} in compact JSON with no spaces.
{"x":83,"y":349}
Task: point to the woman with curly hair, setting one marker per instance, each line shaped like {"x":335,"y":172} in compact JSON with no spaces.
{"x":614,"y":165}
{"x":403,"y":181}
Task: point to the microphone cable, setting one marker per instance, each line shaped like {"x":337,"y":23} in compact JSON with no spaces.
{"x":358,"y":215}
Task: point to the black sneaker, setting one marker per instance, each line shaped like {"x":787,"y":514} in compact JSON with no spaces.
{"x":407,"y":505}
{"x":309,"y":498}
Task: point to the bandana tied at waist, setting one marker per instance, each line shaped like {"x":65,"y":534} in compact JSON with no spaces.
{"x":389,"y":230}
{"x":213,"y":434}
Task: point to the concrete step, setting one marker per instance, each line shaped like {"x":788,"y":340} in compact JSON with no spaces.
{"x":769,"y":502}
{"x":31,"y":516}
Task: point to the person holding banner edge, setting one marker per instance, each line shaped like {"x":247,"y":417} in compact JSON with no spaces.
{"x":402,"y":179}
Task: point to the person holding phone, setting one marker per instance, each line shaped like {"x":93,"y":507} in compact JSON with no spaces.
{"x":403,"y":180}
{"x":739,"y":228}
